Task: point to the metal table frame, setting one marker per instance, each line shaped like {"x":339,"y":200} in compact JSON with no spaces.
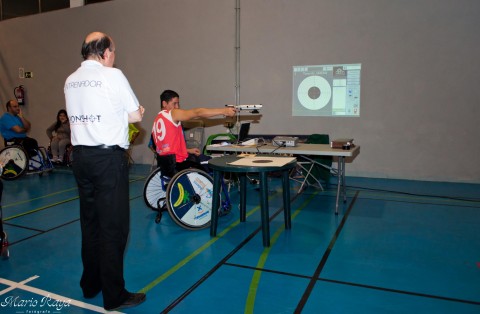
{"x":221,"y":165}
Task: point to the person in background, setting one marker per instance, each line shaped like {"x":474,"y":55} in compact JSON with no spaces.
{"x":59,"y":135}
{"x":101,"y":104}
{"x":14,"y":127}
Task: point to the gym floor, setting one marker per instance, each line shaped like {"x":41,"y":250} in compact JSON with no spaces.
{"x":397,"y":246}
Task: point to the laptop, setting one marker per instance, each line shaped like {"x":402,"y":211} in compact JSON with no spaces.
{"x":243,"y":133}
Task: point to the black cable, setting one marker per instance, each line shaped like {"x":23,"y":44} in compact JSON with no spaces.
{"x":279,"y":146}
{"x":475,"y":200}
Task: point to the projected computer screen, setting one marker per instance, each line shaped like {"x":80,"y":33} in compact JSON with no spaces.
{"x":326,"y":90}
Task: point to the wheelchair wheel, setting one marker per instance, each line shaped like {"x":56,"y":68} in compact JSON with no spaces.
{"x":154,"y":190}
{"x":15,"y":162}
{"x":189,"y":199}
{"x":40,"y":163}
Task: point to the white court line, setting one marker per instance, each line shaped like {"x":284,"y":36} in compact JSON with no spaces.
{"x":12,"y":287}
{"x":21,"y":285}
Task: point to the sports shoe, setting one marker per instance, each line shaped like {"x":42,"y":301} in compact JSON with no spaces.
{"x":133,"y":299}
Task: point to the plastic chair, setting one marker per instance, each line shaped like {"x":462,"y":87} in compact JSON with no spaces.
{"x":218,"y":137}
{"x":194,"y":133}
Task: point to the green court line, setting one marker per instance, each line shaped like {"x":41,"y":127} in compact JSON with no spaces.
{"x":137,"y":178}
{"x":38,"y":198}
{"x":252,"y":290}
{"x":187,"y":259}
{"x":40,"y":208}
{"x":393,"y":196}
{"x":399,"y":196}
{"x":49,"y":205}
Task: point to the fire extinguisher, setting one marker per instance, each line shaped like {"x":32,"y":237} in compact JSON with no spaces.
{"x":19,"y":93}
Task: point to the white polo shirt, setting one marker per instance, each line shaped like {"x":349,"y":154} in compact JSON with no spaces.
{"x":98,"y":101}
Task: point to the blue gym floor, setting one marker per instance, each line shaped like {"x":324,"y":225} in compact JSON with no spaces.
{"x":396,"y":246}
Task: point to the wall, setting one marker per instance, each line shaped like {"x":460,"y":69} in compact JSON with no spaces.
{"x":420,"y":68}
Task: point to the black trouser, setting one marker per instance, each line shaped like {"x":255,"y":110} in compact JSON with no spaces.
{"x":188,"y":164}
{"x":169,"y":166}
{"x":102,"y":178}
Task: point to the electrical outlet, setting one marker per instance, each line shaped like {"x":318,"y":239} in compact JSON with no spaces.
{"x":28,"y":74}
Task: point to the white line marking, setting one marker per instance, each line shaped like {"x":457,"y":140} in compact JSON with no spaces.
{"x":21,"y":285}
{"x":14,"y":286}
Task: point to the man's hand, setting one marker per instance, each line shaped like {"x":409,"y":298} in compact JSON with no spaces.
{"x":194,"y":151}
{"x":136,"y":116}
{"x":229,"y":111}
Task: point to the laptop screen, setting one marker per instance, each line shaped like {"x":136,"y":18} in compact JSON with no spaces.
{"x":243,"y":133}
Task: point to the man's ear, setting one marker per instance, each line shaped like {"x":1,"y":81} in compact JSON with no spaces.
{"x":106,"y":54}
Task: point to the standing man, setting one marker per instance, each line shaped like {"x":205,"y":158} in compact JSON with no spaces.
{"x":14,"y":127}
{"x":100,"y":104}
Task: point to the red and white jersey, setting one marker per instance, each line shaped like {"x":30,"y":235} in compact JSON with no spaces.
{"x":168,"y":136}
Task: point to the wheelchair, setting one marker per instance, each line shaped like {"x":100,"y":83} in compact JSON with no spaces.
{"x":66,"y":158}
{"x":16,"y":162}
{"x":185,"y":195}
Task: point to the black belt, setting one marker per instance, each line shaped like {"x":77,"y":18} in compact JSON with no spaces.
{"x":111,"y":147}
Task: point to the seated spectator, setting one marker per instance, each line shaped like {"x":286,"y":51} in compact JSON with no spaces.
{"x":59,"y":135}
{"x":14,"y":127}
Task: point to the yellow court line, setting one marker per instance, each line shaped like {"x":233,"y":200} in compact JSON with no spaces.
{"x":40,"y":208}
{"x":437,"y":200}
{"x":187,"y":259}
{"x":38,"y":198}
{"x":252,"y":290}
{"x":46,"y":206}
{"x":56,"y":193}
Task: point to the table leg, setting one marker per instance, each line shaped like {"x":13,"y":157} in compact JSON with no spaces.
{"x":215,"y":202}
{"x":243,"y":197}
{"x":339,"y":181}
{"x":286,"y":200}
{"x":343,"y":181}
{"x":265,"y":217}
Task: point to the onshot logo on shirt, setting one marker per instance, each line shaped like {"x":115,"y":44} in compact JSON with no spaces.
{"x":84,"y":118}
